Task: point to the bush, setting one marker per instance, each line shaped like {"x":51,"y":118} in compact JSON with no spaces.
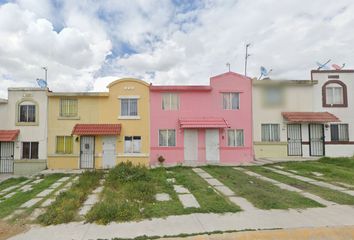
{"x":127,"y":172}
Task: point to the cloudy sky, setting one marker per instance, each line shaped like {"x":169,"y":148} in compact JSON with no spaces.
{"x":86,"y":44}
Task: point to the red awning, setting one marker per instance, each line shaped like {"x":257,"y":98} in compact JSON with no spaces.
{"x":8,"y":135}
{"x":310,"y":117}
{"x":203,"y":123}
{"x":96,"y":129}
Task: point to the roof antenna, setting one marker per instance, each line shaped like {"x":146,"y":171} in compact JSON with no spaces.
{"x":246,"y":57}
{"x":228,"y":65}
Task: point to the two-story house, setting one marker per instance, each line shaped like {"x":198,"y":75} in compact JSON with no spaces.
{"x":195,"y":125}
{"x":23,"y":131}
{"x":89,"y":130}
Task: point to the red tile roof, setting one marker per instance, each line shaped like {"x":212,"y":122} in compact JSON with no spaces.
{"x":310,"y":117}
{"x":8,"y":135}
{"x":96,"y":129}
{"x":203,"y":123}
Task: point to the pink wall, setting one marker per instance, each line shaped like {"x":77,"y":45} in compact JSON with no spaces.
{"x":203,"y":102}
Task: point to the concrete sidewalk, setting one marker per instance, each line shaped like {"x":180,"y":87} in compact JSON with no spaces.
{"x":332,"y":216}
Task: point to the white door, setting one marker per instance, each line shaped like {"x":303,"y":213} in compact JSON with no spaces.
{"x":109,"y":151}
{"x":191,"y":145}
{"x":212,"y":145}
{"x":87,"y":152}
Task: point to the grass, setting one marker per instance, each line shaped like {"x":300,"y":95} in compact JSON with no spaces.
{"x":261,"y":194}
{"x":129,"y":194}
{"x":9,"y":205}
{"x":334,"y":170}
{"x":11,"y":182}
{"x":325,"y":193}
{"x":67,"y":204}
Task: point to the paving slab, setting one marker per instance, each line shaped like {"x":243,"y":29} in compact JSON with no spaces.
{"x":63,"y":179}
{"x":213,"y":182}
{"x":225,"y":190}
{"x":9,"y":195}
{"x":205,"y":175}
{"x":48,"y":202}
{"x":180,"y":189}
{"x":198,"y":170}
{"x":37,"y":181}
{"x":243,"y":203}
{"x":162,"y":197}
{"x":31,"y":203}
{"x":188,"y":201}
{"x":318,"y":199}
{"x":91,"y":199}
{"x":98,"y":190}
{"x":55,"y":185}
{"x":317,"y":174}
{"x":36,"y":213}
{"x":60,"y":191}
{"x":45,"y":192}
{"x":85,"y":209}
{"x":9,"y":189}
{"x":26,"y":188}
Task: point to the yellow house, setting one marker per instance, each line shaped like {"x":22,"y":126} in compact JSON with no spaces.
{"x":98,"y":130}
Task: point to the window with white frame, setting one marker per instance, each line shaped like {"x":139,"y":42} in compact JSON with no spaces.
{"x":132,"y":144}
{"x":339,"y":132}
{"x":334,"y":94}
{"x":235,"y":138}
{"x":270,"y":132}
{"x":27,"y":112}
{"x":167,"y":138}
{"x":231,"y":101}
{"x":129,"y":107}
{"x":29,"y":150}
{"x":170,"y":101}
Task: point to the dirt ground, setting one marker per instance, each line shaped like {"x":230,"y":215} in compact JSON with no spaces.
{"x":332,"y":233}
{"x":7,"y":230}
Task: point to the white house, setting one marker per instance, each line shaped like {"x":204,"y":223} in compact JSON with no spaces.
{"x":23,"y":131}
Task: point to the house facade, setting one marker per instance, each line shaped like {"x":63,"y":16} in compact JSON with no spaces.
{"x":195,"y":125}
{"x":98,"y":130}
{"x":304,"y":118}
{"x":23,"y":131}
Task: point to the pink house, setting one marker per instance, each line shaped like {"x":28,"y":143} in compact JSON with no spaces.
{"x":196,"y":125}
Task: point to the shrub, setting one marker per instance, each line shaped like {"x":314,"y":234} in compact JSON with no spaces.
{"x":127,"y":172}
{"x":161,"y":160}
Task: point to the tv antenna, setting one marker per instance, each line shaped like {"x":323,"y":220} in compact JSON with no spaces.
{"x":246,"y":57}
{"x":337,"y":67}
{"x":228,"y":65}
{"x":264,"y":72}
{"x":323,"y":66}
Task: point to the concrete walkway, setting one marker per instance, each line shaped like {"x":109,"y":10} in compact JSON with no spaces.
{"x":224,"y":190}
{"x":288,"y":187}
{"x":313,"y":181}
{"x":337,"y":215}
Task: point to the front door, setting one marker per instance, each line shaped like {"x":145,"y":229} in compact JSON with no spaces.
{"x":294,"y":140}
{"x":212,"y":145}
{"x":109,"y":152}
{"x":87,"y":152}
{"x":190,"y":145}
{"x":316,"y":133}
{"x":6,"y":157}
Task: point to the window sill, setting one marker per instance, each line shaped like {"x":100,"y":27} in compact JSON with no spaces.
{"x":27,"y":123}
{"x":63,"y":155}
{"x":133,"y":155}
{"x":68,"y":118}
{"x":129,"y":117}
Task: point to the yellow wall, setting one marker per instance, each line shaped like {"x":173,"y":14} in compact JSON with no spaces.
{"x":270,"y":149}
{"x":101,"y":109}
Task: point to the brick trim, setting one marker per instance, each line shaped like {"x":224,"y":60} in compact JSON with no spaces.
{"x":345,"y":95}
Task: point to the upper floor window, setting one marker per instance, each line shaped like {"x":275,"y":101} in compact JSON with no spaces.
{"x":231,"y":101}
{"x":170,"y":101}
{"x":273,"y":96}
{"x":129,"y":107}
{"x":27,"y":112}
{"x":68,"y":107}
{"x":132,"y":144}
{"x":235,"y":137}
{"x":334,"y":94}
{"x":339,"y":132}
{"x":270,"y":132}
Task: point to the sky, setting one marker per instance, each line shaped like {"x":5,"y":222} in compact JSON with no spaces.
{"x":86,"y":44}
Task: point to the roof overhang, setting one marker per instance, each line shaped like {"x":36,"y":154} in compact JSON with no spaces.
{"x":180,"y":88}
{"x":8,"y":135}
{"x":203,"y":123}
{"x":96,"y":129}
{"x":309,"y":117}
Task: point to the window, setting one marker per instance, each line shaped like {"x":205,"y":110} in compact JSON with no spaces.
{"x":167,"y":138}
{"x":339,"y":132}
{"x":64,"y":144}
{"x":132,"y":144}
{"x":231,"y":101}
{"x":68,"y":107}
{"x":170,"y":101}
{"x":30,"y":150}
{"x":334,"y":94}
{"x":273,"y":96}
{"x":27,"y":113}
{"x":129,"y":107}
{"x":270,"y":132}
{"x":235,"y":138}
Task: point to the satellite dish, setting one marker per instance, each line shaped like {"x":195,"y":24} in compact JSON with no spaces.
{"x":323,"y":66}
{"x":41,"y":83}
{"x":337,"y":67}
{"x":264,"y":72}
